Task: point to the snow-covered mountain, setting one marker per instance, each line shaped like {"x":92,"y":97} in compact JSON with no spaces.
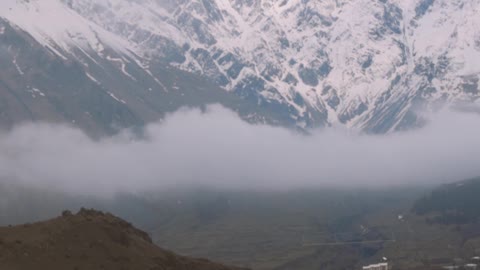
{"x":366,"y":64}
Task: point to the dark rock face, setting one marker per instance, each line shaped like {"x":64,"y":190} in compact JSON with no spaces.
{"x":308,"y":76}
{"x":422,"y":7}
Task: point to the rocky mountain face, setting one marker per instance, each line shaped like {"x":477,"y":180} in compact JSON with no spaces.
{"x":61,"y":68}
{"x":364,"y":64}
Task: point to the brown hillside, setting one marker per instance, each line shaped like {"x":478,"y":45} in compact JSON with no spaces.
{"x":89,"y":240}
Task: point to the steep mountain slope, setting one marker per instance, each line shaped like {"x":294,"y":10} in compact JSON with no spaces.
{"x":77,"y":73}
{"x":88,"y":240}
{"x":363,"y":64}
{"x":366,"y":64}
{"x":455,"y":203}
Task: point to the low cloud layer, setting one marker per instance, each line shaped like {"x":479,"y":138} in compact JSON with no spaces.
{"x":216,"y":148}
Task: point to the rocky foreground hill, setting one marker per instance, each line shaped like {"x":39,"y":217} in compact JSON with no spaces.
{"x":88,"y":240}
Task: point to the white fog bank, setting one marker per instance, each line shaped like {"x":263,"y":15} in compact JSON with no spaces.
{"x":216,"y":148}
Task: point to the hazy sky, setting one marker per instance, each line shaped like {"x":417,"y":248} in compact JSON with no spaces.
{"x":217,"y":148}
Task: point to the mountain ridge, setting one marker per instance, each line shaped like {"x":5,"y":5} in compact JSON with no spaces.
{"x":367,"y":65}
{"x":88,"y":240}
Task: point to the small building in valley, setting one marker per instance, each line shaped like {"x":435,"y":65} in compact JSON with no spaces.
{"x":378,"y":266}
